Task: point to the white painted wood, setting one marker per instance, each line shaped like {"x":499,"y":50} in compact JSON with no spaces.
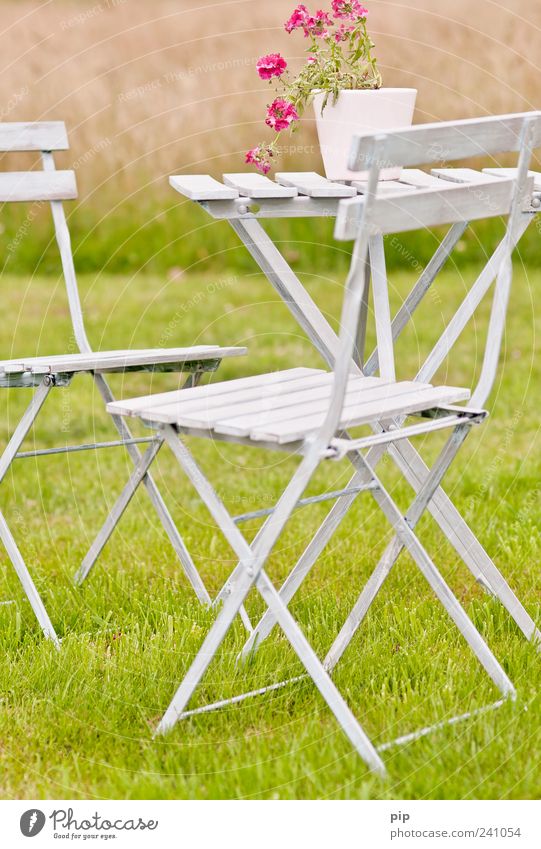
{"x":313,"y":185}
{"x":258,"y":186}
{"x":359,"y":391}
{"x":276,"y":410}
{"x":104,"y":360}
{"x":419,"y":179}
{"x":296,"y":207}
{"x":385,"y":187}
{"x":275,"y":404}
{"x":45,"y":135}
{"x":382,"y":309}
{"x":447,"y":141}
{"x":37,"y":185}
{"x":201,"y":187}
{"x":461,"y":175}
{"x":416,"y":400}
{"x":512,"y":172}
{"x":430,"y":208}
{"x":203,"y":394}
{"x":204,"y":411}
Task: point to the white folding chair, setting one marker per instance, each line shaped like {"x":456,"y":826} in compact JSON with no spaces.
{"x":46,"y":372}
{"x":310,"y":412}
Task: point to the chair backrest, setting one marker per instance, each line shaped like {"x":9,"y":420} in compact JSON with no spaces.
{"x":46,"y":185}
{"x":366,"y":219}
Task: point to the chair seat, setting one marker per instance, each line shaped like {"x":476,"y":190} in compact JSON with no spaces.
{"x":111,"y":361}
{"x":285,"y":406}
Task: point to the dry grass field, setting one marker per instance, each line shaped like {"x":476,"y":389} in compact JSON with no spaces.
{"x":149,"y":88}
{"x":154,"y":88}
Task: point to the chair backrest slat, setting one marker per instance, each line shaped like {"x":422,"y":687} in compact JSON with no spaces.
{"x":446,"y":141}
{"x":448,"y":204}
{"x":37,"y":186}
{"x":43,"y":135}
{"x":47,"y":185}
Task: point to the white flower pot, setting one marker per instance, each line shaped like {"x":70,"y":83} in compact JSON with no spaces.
{"x":355,"y":112}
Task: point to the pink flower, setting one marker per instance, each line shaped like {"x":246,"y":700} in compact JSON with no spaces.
{"x":272,"y":65}
{"x":342,"y":32}
{"x":311,"y":60}
{"x":349,"y":10}
{"x":315,"y":24}
{"x":260,"y":156}
{"x":281,"y":114}
{"x":297,"y":19}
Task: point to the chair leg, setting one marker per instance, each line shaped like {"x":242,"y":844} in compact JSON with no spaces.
{"x":305,"y":563}
{"x":442,"y":591}
{"x":464,"y":541}
{"x":6,"y":459}
{"x":157,"y":501}
{"x":27,"y":583}
{"x":252,"y":561}
{"x":395,"y":547}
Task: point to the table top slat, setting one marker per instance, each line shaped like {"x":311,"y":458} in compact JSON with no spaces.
{"x":201,"y":187}
{"x":314,"y":185}
{"x":511,"y":172}
{"x":257,"y":186}
{"x":385,"y":187}
{"x":462,"y":175}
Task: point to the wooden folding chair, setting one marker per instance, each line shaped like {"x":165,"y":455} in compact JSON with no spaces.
{"x":47,"y":372}
{"x":310,"y":412}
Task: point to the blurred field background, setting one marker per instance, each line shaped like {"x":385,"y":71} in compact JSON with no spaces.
{"x":154,"y":88}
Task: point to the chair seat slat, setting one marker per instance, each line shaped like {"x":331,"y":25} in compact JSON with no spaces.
{"x":148,"y":403}
{"x":285,"y":410}
{"x":255,"y":398}
{"x":273,"y":405}
{"x":361,"y":390}
{"x":98,"y":361}
{"x":418,"y":399}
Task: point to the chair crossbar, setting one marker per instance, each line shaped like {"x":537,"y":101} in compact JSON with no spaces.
{"x":413,"y":736}
{"x":304,"y":502}
{"x":91,"y":446}
{"x":235,"y":700}
{"x":403,"y":740}
{"x":345,"y":446}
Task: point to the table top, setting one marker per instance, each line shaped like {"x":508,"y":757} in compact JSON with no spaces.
{"x":288,"y":185}
{"x":309,"y":195}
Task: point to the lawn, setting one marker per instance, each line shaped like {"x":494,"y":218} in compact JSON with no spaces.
{"x":78,"y":723}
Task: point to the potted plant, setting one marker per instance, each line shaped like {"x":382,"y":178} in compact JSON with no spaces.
{"x":341,"y":78}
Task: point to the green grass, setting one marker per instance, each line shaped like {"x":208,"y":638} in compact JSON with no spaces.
{"x":78,"y":723}
{"x":170,"y":232}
